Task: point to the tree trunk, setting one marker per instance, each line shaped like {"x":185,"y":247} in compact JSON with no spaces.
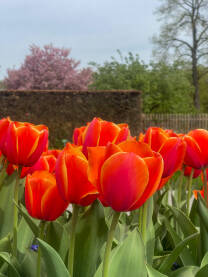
{"x":195,"y":76}
{"x":195,"y":84}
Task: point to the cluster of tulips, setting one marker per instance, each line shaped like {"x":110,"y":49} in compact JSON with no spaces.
{"x":107,"y":169}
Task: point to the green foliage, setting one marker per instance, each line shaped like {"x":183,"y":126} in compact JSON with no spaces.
{"x":166,"y":87}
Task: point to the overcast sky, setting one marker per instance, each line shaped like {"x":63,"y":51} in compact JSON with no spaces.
{"x":93,"y":29}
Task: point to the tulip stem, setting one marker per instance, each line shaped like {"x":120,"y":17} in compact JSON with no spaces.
{"x":41,"y":236}
{"x":205,"y":186}
{"x":109,"y":244}
{"x":189,"y":191}
{"x":144,"y":221}
{"x":180,"y":187}
{"x":15,"y":215}
{"x":140,"y":218}
{"x":75,"y":214}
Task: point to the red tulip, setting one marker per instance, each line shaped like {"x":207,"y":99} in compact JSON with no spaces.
{"x":99,"y":132}
{"x":45,"y":162}
{"x":173,"y":152}
{"x":71,"y":175}
{"x":24,"y":143}
{"x":4,"y":124}
{"x":171,"y":147}
{"x":126,"y":174}
{"x":188,"y":169}
{"x":196,"y":152}
{"x":42,"y":198}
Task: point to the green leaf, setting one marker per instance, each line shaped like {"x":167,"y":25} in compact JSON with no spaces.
{"x":57,"y":237}
{"x":202,"y":211}
{"x":204,"y":260}
{"x":55,"y":267}
{"x":203,"y":245}
{"x":187,"y":271}
{"x":29,"y":264}
{"x":185,"y":255}
{"x":127,"y":258}
{"x":6,"y":205}
{"x":24,"y":236}
{"x":91,"y":234}
{"x":32,"y":222}
{"x":203,"y":272}
{"x":6,"y":257}
{"x":5,"y":244}
{"x":167,"y":263}
{"x":153,"y":272}
{"x":187,"y":228}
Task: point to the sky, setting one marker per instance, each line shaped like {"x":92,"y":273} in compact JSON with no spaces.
{"x":92,"y":29}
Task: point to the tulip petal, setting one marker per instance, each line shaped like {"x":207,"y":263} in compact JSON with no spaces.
{"x":96,"y":158}
{"x":50,"y":211}
{"x":124,"y":177}
{"x":201,"y":137}
{"x":109,"y":132}
{"x":91,"y":135}
{"x":155,"y":166}
{"x":193,"y":156}
{"x":155,"y":137}
{"x":139,"y":148}
{"x":173,"y":152}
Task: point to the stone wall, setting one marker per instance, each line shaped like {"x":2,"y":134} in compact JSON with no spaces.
{"x":62,"y":111}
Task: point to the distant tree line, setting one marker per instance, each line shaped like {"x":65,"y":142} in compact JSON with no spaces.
{"x":166,"y":86}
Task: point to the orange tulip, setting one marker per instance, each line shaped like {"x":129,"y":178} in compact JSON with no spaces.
{"x":126,"y":174}
{"x":71,"y":175}
{"x":99,"y":132}
{"x":42,"y":198}
{"x":24,"y":143}
{"x":196,"y":153}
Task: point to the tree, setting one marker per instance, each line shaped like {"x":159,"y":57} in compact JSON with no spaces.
{"x":126,"y":73}
{"x":165,"y":88}
{"x":185,"y":33}
{"x":48,"y":68}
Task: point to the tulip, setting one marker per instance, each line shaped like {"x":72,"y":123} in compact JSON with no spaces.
{"x":24,"y":143}
{"x":4,"y":124}
{"x":46,"y":162}
{"x":171,"y":147}
{"x":155,"y":137}
{"x":126,"y":175}
{"x":42,"y":198}
{"x":72,"y":179}
{"x":43,"y":202}
{"x":197,"y":153}
{"x":74,"y":186}
{"x":188,"y":169}
{"x":99,"y":133}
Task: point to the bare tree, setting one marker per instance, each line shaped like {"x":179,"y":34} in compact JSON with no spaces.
{"x":185,"y":34}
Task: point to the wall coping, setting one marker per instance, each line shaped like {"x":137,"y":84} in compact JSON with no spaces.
{"x":2,"y":91}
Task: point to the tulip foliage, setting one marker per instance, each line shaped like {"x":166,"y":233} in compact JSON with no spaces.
{"x":107,"y":205}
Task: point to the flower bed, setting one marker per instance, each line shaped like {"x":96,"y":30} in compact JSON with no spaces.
{"x":106,"y":205}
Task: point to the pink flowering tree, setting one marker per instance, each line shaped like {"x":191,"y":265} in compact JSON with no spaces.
{"x":48,"y":68}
